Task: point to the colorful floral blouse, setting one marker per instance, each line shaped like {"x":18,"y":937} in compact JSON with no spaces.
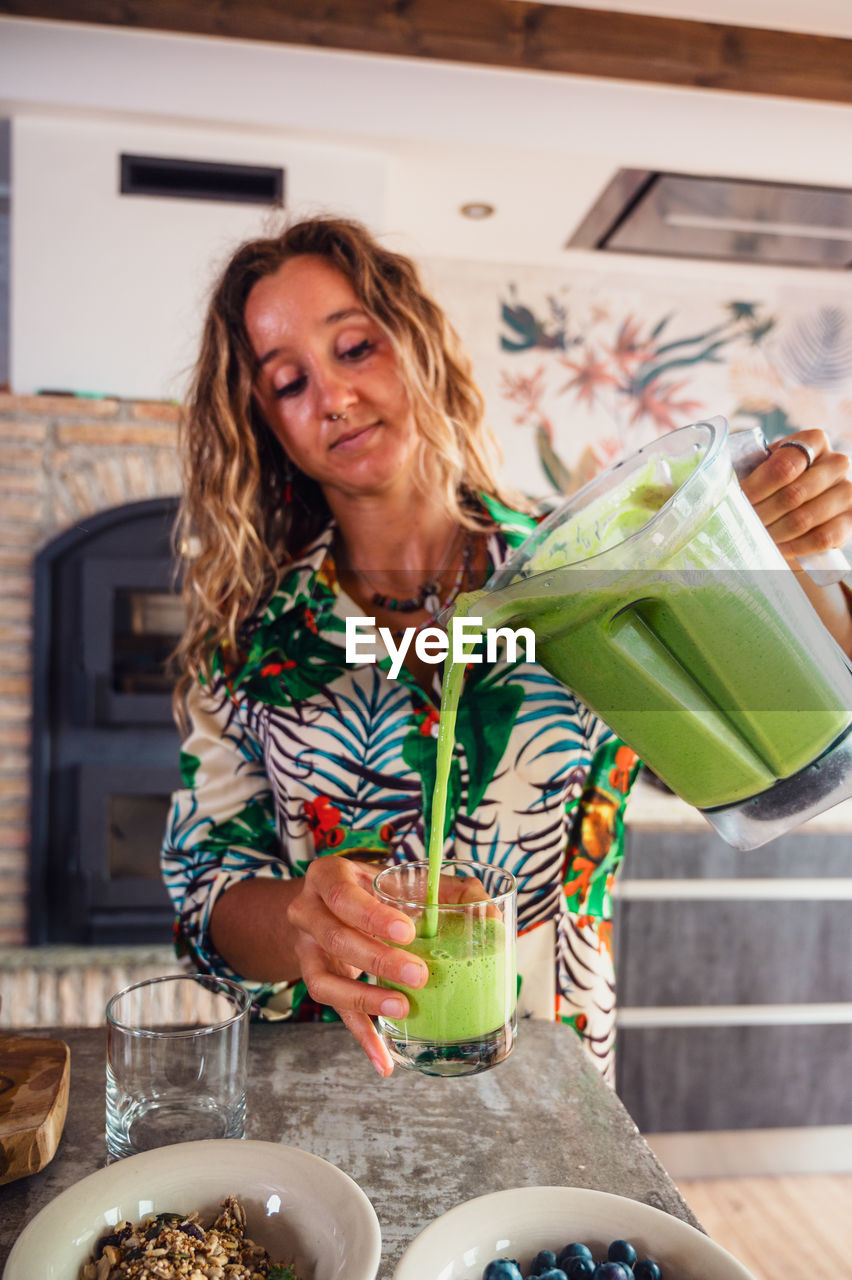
{"x":295,"y":754}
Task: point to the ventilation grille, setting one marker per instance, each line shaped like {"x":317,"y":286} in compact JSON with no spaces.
{"x":175,"y":179}
{"x":729,"y":219}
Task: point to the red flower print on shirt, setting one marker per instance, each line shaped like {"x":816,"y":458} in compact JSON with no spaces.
{"x":323,"y":818}
{"x":275,"y":668}
{"x":430,"y":721}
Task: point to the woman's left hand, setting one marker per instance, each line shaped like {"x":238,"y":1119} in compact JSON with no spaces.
{"x":806,"y":507}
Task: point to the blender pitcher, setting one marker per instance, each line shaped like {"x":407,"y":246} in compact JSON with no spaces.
{"x":658,"y":597}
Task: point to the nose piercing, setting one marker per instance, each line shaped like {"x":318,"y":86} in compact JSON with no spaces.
{"x":337,"y":417}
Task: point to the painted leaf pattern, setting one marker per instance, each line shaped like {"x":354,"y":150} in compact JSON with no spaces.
{"x":421,"y":755}
{"x":484,"y":726}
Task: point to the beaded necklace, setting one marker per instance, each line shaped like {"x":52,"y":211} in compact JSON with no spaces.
{"x":428,"y":595}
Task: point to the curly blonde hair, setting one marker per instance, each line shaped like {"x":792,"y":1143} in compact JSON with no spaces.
{"x":246,"y":512}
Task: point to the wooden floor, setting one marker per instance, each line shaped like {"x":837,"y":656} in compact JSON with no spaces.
{"x":767,"y":1223}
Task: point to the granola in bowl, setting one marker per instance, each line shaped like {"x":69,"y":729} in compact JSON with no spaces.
{"x":171,"y":1246}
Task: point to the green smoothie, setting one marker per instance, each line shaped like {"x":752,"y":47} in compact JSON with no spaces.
{"x":451,"y":684}
{"x":470,"y":991}
{"x":722,"y":680}
{"x":471,"y":988}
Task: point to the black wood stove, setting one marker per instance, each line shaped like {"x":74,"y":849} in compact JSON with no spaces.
{"x":105,"y":750}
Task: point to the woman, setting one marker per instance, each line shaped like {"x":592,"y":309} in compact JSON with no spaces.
{"x":337,"y":464}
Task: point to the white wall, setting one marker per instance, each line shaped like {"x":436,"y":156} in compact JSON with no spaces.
{"x":108,"y":290}
{"x":789,"y":364}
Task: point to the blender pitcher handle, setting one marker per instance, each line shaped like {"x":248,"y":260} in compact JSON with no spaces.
{"x":748,"y":449}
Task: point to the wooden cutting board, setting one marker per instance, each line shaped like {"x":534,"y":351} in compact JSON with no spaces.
{"x":34,"y":1074}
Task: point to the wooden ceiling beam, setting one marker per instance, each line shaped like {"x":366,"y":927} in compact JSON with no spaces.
{"x":502,"y":33}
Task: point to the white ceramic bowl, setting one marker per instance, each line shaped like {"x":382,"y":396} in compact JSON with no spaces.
{"x":517,"y":1223}
{"x":300,"y":1207}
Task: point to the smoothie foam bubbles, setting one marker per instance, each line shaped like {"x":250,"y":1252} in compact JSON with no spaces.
{"x":610,"y":520}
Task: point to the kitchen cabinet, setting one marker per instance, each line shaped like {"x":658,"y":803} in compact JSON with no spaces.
{"x":734,"y":973}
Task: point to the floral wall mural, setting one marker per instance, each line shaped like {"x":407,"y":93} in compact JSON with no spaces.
{"x":579,"y":369}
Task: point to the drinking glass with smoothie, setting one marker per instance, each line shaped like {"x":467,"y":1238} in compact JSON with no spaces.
{"x":464,"y":1020}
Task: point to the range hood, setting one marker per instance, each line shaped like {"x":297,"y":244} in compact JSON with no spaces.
{"x":729,"y":219}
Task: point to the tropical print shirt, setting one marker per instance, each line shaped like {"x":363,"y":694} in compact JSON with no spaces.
{"x":295,"y":754}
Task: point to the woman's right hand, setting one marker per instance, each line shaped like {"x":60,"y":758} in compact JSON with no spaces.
{"x":342,"y":930}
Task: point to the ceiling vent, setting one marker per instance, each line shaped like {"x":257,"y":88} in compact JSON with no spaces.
{"x":728,"y":219}
{"x":175,"y":179}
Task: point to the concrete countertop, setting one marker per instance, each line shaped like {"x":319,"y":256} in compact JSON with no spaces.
{"x":416,"y":1145}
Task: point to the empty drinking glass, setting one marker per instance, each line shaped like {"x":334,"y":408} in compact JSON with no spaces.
{"x":176,"y":1062}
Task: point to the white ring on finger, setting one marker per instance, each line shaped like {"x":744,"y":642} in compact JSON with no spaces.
{"x":805,"y":448}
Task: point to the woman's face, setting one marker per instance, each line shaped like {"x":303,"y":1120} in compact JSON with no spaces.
{"x":320,"y":355}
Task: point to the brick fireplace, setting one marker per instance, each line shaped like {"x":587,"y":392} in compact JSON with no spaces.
{"x":62,"y":459}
